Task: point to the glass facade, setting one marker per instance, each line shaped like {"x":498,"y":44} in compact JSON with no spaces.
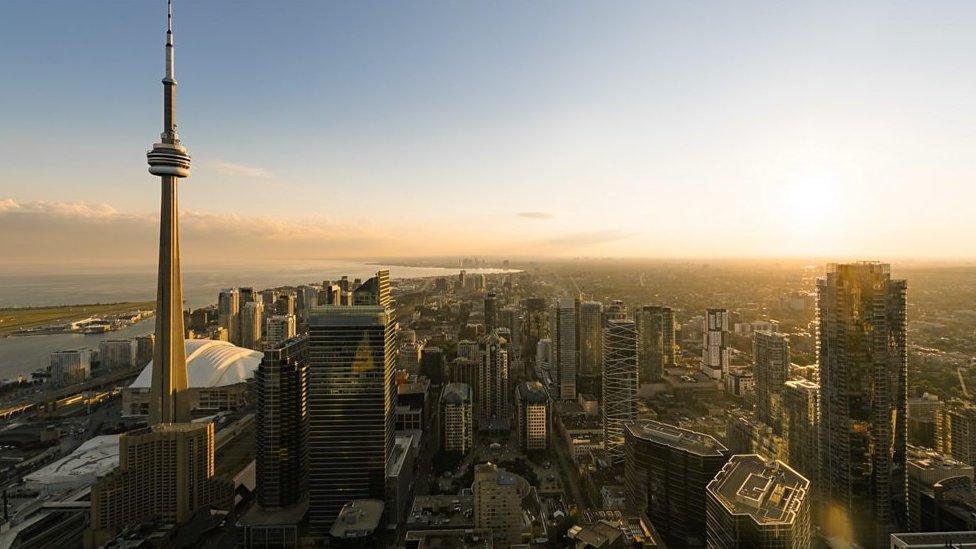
{"x":351,"y":399}
{"x":863,"y":394}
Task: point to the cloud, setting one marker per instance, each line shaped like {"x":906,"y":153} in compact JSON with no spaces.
{"x":82,"y":233}
{"x":590,"y":238}
{"x":240,"y":170}
{"x":536,"y":215}
{"x":58,"y":210}
{"x":97,"y":233}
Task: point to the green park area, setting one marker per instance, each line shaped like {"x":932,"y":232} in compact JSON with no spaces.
{"x":14,"y":319}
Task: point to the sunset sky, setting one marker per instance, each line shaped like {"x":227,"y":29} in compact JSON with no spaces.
{"x":361,"y":129}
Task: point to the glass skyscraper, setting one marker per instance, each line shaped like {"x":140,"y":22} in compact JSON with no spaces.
{"x":566,"y":346}
{"x":771,"y":352}
{"x":620,"y":381}
{"x":863,"y":394}
{"x":655,"y":341}
{"x":351,"y":400}
{"x":282,"y":423}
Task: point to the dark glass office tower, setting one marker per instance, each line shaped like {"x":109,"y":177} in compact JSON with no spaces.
{"x":491,"y":312}
{"x":863,"y":394}
{"x":666,"y":472}
{"x":282,"y":423}
{"x":351,"y":401}
{"x":566,"y":346}
{"x":655,"y":341}
{"x":535,"y":325}
{"x":432,"y":364}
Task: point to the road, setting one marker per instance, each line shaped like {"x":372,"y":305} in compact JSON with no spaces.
{"x":236,"y":454}
{"x":571,"y":478}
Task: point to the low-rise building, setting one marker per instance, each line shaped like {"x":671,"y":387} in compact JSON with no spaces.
{"x":611,"y":529}
{"x":498,"y":496}
{"x":96,"y":457}
{"x":478,"y":538}
{"x":740,"y":382}
{"x":441,"y":512}
{"x":357,"y":522}
{"x":578,"y":433}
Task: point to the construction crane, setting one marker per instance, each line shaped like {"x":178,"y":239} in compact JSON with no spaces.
{"x":579,"y":291}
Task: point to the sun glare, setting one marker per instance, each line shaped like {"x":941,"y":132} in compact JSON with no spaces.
{"x":811,"y":200}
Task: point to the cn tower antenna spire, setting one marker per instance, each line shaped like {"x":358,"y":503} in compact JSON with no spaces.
{"x":169,"y":134}
{"x":168,"y":159}
{"x":169,"y":40}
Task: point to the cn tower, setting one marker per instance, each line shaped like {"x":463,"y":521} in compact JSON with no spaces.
{"x":169,"y":160}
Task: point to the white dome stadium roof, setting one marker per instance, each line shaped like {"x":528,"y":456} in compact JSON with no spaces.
{"x":211,"y":363}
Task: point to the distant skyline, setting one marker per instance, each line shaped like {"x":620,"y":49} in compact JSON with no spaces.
{"x":369,"y":130}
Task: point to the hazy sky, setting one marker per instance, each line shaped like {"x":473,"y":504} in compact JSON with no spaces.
{"x":646,"y":128}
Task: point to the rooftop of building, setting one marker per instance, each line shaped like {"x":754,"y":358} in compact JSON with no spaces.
{"x":676,"y":437}
{"x":568,"y":408}
{"x":927,"y":458}
{"x":967,"y":411}
{"x":533,"y":392}
{"x":71,"y":351}
{"x":468,"y":538}
{"x":348,"y":316}
{"x":932,"y":540}
{"x":770,"y":333}
{"x":608,"y":527}
{"x":768,"y":491}
{"x":257,"y":515}
{"x":456,"y":393}
{"x":491,"y":472}
{"x":613,"y":490}
{"x":580,"y":422}
{"x":600,"y":534}
{"x":358,"y":518}
{"x":859,"y":265}
{"x":803,"y":384}
{"x":413,"y":384}
{"x":442,"y":511}
{"x":926,"y":398}
{"x":95,"y":457}
{"x":210,"y":363}
{"x":398,"y":455}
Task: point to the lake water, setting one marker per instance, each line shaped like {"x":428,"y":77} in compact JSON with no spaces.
{"x":22,"y":355}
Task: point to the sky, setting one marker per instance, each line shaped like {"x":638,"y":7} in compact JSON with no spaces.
{"x":379,"y":129}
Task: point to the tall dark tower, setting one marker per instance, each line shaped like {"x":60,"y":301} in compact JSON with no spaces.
{"x":863,"y":359}
{"x":169,"y":160}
